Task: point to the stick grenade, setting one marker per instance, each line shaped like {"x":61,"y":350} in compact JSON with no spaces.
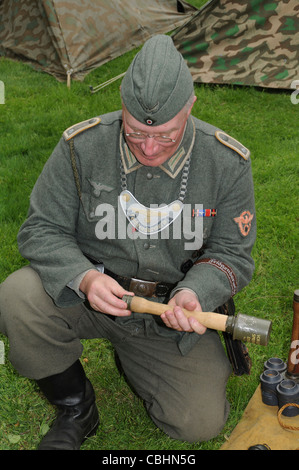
{"x":293,"y":359}
{"x":242,"y":327}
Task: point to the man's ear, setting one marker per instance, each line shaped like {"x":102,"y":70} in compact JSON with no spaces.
{"x":191,"y":106}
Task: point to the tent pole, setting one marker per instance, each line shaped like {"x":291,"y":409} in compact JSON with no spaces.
{"x":68,"y":75}
{"x":69,"y":78}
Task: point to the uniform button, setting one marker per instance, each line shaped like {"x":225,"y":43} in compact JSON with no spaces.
{"x":149,"y":176}
{"x":146,"y":245}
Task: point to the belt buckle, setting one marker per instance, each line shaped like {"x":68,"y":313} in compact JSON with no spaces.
{"x":142,"y":288}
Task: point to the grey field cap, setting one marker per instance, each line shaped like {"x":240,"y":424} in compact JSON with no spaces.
{"x":158,"y":82}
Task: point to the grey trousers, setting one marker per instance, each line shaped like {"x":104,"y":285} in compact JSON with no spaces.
{"x":185,"y":395}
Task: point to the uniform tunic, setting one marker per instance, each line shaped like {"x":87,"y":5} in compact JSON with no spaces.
{"x":74,"y":211}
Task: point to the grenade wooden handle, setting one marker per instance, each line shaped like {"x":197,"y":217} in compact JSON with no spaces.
{"x":242,"y":327}
{"x":212,"y":320}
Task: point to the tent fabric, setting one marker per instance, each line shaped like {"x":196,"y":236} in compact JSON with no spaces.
{"x":245,"y":42}
{"x":76,"y":36}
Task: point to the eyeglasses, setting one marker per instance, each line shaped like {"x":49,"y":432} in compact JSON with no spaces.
{"x":162,"y":139}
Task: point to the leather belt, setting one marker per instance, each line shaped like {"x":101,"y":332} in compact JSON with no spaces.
{"x":138,"y":286}
{"x":141,"y":287}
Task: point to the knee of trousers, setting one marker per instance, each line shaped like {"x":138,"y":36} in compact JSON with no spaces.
{"x":41,"y":341}
{"x":191,"y":425}
{"x":197,"y":413}
{"x":25,"y":307}
{"x":17,"y":295}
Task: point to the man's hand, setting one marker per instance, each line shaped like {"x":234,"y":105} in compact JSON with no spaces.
{"x":176,"y":319}
{"x":104,"y":294}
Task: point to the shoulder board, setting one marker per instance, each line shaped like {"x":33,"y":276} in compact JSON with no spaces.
{"x":228,"y":141}
{"x":80,"y":127}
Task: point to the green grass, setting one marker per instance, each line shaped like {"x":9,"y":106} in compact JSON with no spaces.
{"x":36,"y":112}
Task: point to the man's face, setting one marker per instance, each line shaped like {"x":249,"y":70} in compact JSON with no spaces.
{"x":148,"y":150}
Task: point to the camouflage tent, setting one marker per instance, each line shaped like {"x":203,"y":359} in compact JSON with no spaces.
{"x":76,"y":36}
{"x":246,"y":42}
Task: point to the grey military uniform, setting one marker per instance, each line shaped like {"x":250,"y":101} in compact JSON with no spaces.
{"x":60,"y":227}
{"x":74,"y":211}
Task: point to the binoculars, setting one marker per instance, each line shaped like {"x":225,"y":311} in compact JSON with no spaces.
{"x":277,"y":389}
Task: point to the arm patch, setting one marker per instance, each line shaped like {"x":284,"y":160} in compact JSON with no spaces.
{"x":228,"y":141}
{"x":80,"y":127}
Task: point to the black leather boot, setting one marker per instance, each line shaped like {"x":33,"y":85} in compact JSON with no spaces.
{"x":77,"y":417}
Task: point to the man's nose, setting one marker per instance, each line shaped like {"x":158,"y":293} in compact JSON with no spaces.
{"x":149,"y":146}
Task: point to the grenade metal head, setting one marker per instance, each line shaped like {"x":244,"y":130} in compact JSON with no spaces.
{"x":249,"y":329}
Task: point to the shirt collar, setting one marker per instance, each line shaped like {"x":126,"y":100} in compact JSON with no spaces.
{"x":173,"y":165}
